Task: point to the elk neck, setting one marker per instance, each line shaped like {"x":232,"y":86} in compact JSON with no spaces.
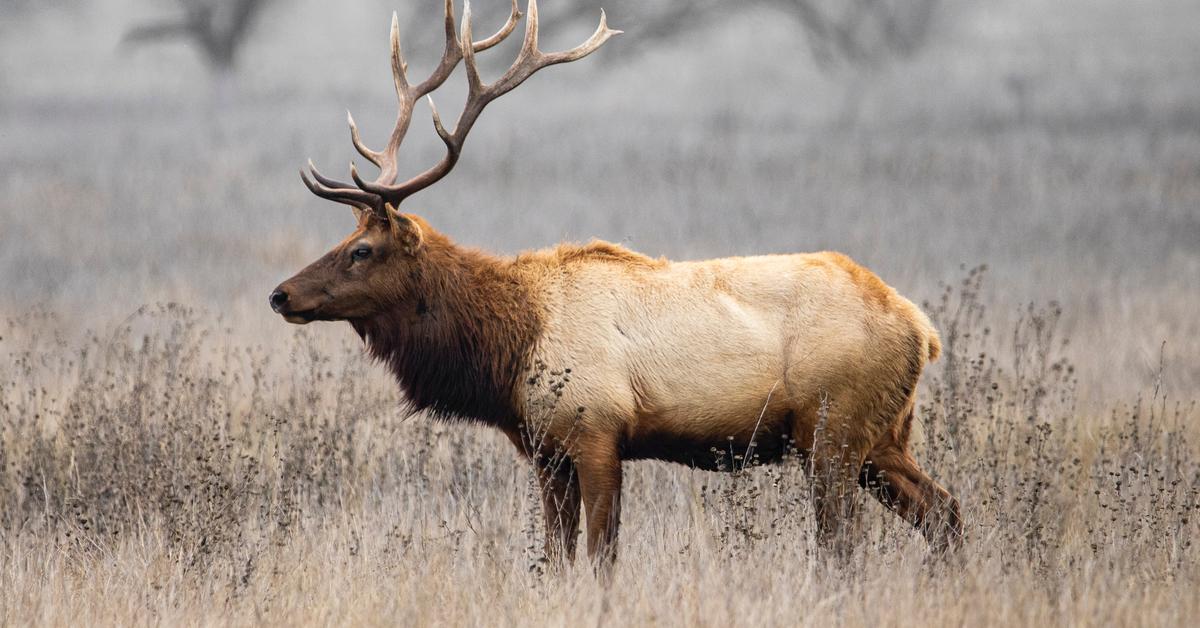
{"x":461,"y":338}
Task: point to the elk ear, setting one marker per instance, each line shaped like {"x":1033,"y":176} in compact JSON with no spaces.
{"x":405,"y":230}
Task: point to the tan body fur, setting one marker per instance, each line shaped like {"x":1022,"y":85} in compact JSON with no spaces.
{"x":673,"y":360}
{"x":698,"y":348}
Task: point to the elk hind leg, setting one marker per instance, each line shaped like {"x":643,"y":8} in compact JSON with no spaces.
{"x":834,"y":464}
{"x":893,"y":477}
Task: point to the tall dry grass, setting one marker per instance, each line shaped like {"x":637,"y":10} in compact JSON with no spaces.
{"x":161,"y":473}
{"x":202,"y":463}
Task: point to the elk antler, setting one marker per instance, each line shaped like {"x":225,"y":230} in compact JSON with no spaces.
{"x":384,"y":191}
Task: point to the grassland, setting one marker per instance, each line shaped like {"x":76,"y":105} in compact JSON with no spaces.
{"x":170,"y":452}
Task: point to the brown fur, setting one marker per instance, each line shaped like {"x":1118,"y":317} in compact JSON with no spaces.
{"x":600,"y":251}
{"x":460,"y":353}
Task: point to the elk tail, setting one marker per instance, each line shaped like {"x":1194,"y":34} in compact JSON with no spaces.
{"x":933,"y":345}
{"x":933,"y":342}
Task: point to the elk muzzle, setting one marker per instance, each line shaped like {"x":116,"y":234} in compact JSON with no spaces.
{"x":278,"y":300}
{"x":282,"y":304}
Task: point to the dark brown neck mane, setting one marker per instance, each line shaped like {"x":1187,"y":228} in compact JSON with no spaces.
{"x":461,"y":339}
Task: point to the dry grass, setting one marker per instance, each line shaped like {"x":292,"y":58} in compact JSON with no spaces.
{"x":163,"y":473}
{"x":205,"y":464}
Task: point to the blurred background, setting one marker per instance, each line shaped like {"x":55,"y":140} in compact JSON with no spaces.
{"x":149,"y":151}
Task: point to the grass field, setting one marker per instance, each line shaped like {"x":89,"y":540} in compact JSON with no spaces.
{"x":171,"y":452}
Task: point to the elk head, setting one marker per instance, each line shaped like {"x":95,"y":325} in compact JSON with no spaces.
{"x":368,"y":273}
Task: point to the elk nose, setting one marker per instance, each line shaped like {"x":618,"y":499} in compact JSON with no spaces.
{"x":278,"y":299}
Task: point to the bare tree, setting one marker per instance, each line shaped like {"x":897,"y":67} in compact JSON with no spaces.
{"x":217,"y":27}
{"x":12,"y":12}
{"x":648,"y":22}
{"x":862,"y":33}
{"x":852,"y":38}
{"x":862,"y":36}
{"x":857,"y":33}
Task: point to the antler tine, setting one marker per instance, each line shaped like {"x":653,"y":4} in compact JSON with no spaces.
{"x":531,"y":59}
{"x":513,"y":17}
{"x":373,"y":156}
{"x":358,"y":180}
{"x":437,"y":121}
{"x":324,"y":180}
{"x":529,"y":46}
{"x":474,"y":84}
{"x":405,"y":101}
{"x":601,"y":35}
{"x":399,"y":65}
{"x":335,"y":191}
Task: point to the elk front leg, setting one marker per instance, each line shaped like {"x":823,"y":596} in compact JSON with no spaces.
{"x":560,"y":504}
{"x":558,"y":482}
{"x":598,"y":464}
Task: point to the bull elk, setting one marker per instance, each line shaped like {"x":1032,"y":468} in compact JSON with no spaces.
{"x":639,"y":358}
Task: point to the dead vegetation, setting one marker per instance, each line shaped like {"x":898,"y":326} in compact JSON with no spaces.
{"x":184,"y":467}
{"x":204,"y":480}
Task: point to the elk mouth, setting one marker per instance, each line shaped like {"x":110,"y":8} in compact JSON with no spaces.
{"x":302,"y":317}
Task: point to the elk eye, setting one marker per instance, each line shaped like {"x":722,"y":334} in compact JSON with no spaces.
{"x":361,"y":253}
